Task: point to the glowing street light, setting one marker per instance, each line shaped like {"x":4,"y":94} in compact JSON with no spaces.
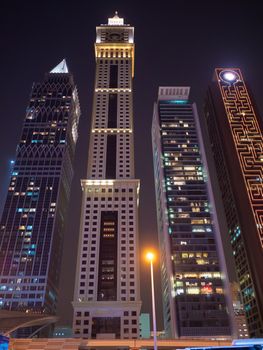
{"x":150,"y":257}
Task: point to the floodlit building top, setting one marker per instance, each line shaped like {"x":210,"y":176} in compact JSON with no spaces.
{"x":116,"y":20}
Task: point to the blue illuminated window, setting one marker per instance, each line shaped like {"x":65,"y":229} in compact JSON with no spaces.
{"x":4,"y":341}
{"x":179,"y":102}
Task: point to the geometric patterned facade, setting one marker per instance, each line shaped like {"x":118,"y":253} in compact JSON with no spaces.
{"x":107,"y":295}
{"x":32,"y":224}
{"x":235,"y":130}
{"x":248,"y":137}
{"x":194,"y":281}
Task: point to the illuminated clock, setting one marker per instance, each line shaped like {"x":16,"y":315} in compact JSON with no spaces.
{"x":114,"y":37}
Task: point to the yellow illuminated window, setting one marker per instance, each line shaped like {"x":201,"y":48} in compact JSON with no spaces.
{"x":190,"y":275}
{"x":193,"y":290}
{"x":219,"y":290}
{"x":183,"y":215}
{"x":216,"y":275}
{"x":201,"y":261}
{"x":197,"y":221}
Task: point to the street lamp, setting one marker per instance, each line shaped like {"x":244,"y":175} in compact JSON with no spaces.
{"x":150,"y":257}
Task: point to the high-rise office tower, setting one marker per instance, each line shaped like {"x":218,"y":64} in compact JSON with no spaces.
{"x":107,"y":296}
{"x":32,"y":224}
{"x":192,"y":264}
{"x":235,"y":130}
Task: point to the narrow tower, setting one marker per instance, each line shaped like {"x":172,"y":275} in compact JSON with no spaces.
{"x":235,"y":130}
{"x":107,"y":296}
{"x":192,"y":263}
{"x":32,"y":223}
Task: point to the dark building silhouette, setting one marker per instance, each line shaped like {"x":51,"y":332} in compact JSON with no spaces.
{"x":34,"y":214}
{"x":235,"y":131}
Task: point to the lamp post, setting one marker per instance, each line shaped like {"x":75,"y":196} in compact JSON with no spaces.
{"x":150,"y":258}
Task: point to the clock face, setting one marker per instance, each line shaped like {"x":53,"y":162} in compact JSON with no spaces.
{"x":114,"y":37}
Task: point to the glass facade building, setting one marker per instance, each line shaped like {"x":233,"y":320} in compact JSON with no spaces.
{"x":235,"y":130}
{"x":193,"y":272}
{"x":32,"y":224}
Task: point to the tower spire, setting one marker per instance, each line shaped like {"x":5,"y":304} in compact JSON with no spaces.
{"x":61,"y":67}
{"x":116,"y":20}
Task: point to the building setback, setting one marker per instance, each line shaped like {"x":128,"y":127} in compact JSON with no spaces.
{"x":32,"y":224}
{"x":192,"y":263}
{"x":235,"y":130}
{"x":107,"y":296}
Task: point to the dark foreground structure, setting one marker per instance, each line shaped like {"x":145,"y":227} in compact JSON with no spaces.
{"x":248,"y":344}
{"x":114,"y":344}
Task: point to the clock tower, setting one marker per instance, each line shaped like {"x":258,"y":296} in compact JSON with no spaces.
{"x":107,"y":295}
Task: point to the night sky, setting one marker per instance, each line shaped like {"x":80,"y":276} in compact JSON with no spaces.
{"x":177,"y":43}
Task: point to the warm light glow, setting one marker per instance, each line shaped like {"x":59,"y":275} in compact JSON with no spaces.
{"x":150,"y":256}
{"x":108,"y":49}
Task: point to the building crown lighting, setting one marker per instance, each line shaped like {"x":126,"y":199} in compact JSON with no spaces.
{"x":61,"y":67}
{"x":115,"y":20}
{"x":178,"y":93}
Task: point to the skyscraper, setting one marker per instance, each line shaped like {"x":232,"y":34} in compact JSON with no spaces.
{"x":192,"y":263}
{"x":107,"y":296}
{"x":235,"y":130}
{"x":32,"y":223}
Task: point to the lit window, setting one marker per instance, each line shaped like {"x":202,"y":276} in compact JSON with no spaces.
{"x":193,"y":290}
{"x":201,"y":261}
{"x":179,"y":291}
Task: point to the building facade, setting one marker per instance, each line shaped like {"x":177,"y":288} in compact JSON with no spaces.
{"x":239,"y":312}
{"x":107,"y":296}
{"x":32,"y":223}
{"x":193,"y":272}
{"x":235,"y":130}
